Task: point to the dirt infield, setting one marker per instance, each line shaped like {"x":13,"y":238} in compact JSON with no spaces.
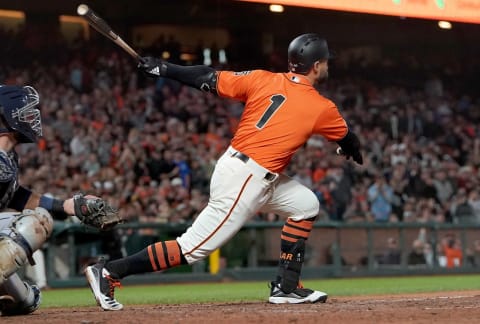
{"x":445,"y":307}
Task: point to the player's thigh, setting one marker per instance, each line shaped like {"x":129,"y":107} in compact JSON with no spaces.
{"x":235,"y":196}
{"x":292,"y":199}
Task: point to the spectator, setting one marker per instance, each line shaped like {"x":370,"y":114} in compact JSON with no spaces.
{"x":461,"y":209}
{"x":417,"y":254}
{"x":443,"y":186}
{"x":476,"y":253}
{"x":450,"y":249}
{"x":392,"y":254}
{"x":380,"y":196}
{"x":474,"y":201}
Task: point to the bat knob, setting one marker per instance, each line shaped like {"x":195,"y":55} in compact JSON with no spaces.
{"x":82,"y":10}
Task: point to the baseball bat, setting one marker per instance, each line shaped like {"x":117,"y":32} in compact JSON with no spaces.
{"x":102,"y":27}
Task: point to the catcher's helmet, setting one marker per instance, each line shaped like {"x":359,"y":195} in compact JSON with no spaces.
{"x":19,"y":112}
{"x":305,"y":50}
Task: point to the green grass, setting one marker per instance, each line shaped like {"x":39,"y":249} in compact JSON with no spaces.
{"x":258,"y":291}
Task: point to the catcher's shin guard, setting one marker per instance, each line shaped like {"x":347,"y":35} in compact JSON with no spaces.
{"x":18,"y":297}
{"x":27,"y":233}
{"x":290,"y":265}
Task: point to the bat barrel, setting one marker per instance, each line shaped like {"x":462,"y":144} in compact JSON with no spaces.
{"x":101,"y":26}
{"x":96,"y":22}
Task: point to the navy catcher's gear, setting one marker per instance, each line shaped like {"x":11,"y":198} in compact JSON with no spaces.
{"x":8,"y":177}
{"x":27,"y":233}
{"x":304,"y":51}
{"x":18,"y":297}
{"x":19,"y":112}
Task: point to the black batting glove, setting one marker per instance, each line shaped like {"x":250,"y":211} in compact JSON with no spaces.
{"x":150,"y":66}
{"x":350,"y":146}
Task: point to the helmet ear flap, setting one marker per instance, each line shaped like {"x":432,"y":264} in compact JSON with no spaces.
{"x":4,"y":128}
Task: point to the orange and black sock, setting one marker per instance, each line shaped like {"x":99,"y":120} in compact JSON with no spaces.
{"x":294,"y":235}
{"x":292,"y":231}
{"x":156,"y":257}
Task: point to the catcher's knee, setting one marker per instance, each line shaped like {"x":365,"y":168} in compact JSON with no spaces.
{"x":29,"y":231}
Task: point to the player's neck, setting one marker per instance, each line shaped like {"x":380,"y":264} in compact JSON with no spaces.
{"x":311,"y":78}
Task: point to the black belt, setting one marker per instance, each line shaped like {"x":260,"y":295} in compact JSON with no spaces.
{"x":244,"y":158}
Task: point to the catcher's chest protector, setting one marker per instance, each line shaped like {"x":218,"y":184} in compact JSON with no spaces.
{"x":8,"y":177}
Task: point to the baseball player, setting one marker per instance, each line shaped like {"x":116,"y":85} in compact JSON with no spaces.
{"x":25,"y":231}
{"x":282,"y":110}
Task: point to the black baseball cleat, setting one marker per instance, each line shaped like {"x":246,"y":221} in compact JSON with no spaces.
{"x":103,"y":286}
{"x":298,"y":296}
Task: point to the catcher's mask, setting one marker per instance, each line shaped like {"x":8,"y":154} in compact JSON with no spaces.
{"x":19,"y":113}
{"x":305,"y":50}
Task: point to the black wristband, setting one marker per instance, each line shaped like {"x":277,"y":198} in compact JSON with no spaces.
{"x":57,"y":211}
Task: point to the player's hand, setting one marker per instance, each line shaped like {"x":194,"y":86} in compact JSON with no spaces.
{"x":350,"y":148}
{"x":151,"y":66}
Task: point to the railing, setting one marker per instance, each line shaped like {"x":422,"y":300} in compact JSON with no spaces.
{"x":333,"y":250}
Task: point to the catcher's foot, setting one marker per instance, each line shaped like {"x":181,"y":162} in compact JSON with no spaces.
{"x":10,"y":307}
{"x":103,"y":285}
{"x":298,"y":296}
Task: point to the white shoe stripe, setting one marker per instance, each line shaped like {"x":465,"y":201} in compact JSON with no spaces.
{"x":103,"y":301}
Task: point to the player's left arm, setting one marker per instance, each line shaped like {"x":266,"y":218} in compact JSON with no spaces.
{"x":91,"y":210}
{"x":26,"y":199}
{"x":201,"y":77}
{"x":228,"y":84}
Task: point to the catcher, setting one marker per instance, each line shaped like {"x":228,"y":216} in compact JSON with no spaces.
{"x":25,"y":231}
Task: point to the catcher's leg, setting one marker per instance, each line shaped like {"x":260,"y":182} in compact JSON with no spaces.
{"x":26,"y":233}
{"x":37,"y":273}
{"x":18,"y":297}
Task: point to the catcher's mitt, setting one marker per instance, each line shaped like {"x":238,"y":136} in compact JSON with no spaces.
{"x":95,"y":212}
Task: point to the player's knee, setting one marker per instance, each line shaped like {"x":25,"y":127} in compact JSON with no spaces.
{"x":34,"y":226}
{"x":315,"y":207}
{"x":306,"y":208}
{"x":29,"y":231}
{"x":312,"y":206}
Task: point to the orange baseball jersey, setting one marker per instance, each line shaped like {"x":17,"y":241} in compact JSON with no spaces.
{"x":282,"y":110}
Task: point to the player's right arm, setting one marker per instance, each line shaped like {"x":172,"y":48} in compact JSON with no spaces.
{"x":201,"y":77}
{"x":333,"y":127}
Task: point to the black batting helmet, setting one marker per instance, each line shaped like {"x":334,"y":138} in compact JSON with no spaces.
{"x":305,"y":50}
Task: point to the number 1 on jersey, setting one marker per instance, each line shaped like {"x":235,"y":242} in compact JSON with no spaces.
{"x":277,"y":100}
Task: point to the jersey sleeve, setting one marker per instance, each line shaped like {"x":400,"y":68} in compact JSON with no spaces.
{"x":235,"y":85}
{"x":330,"y":122}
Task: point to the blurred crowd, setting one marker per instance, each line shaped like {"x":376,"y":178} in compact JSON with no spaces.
{"x":150,"y":146}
